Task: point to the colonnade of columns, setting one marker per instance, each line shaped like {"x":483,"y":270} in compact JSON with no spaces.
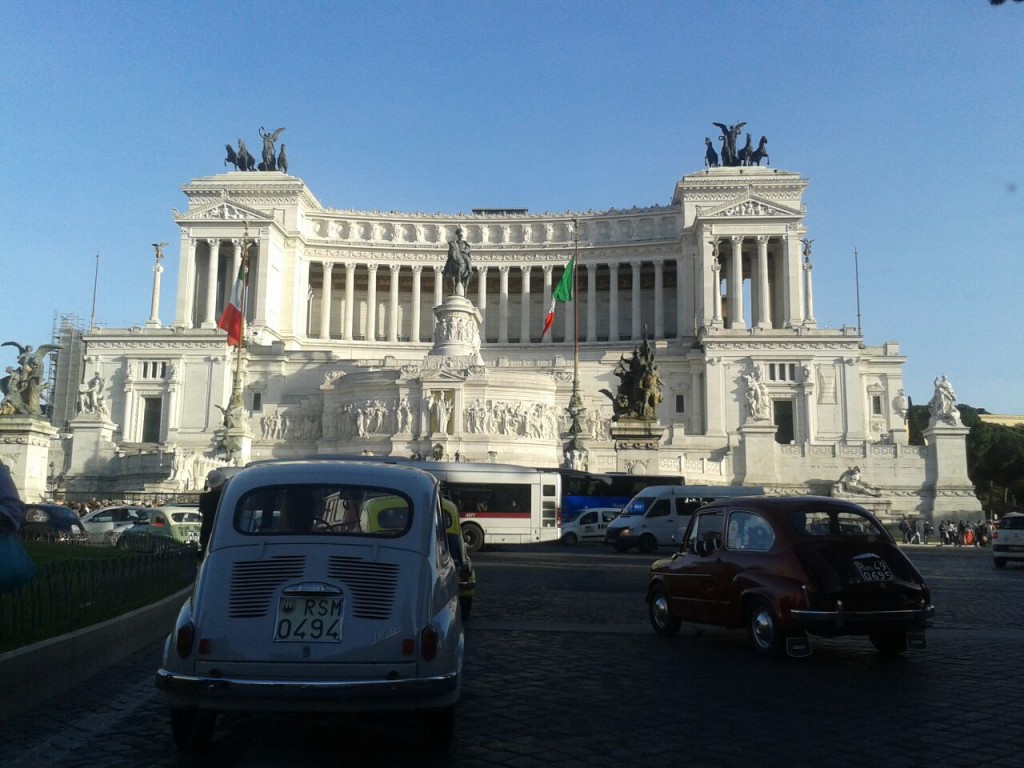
{"x":781,"y":290}
{"x":781,"y":294}
{"x":507,"y":328}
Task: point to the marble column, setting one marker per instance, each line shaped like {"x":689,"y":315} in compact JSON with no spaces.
{"x":438,"y":288}
{"x":393,"y":320}
{"x":350,"y":293}
{"x":185,"y":307}
{"x":417,"y":279}
{"x":808,"y":272}
{"x":503,"y":305}
{"x":635,"y":332}
{"x":524,"y":306}
{"x":682,"y":315}
{"x":371,"y":303}
{"x":481,"y":303}
{"x":325,"y":301}
{"x":716,"y":296}
{"x":547,"y":269}
{"x":764,"y":317}
{"x":613,"y":301}
{"x":659,"y":299}
{"x":154,"y":304}
{"x":210,"y":307}
{"x":736,"y":319}
{"x":591,"y":303}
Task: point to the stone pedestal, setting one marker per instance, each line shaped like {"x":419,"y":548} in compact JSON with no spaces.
{"x":457,"y":332}
{"x":25,"y":447}
{"x":238,"y":444}
{"x":637,"y":446}
{"x":758,"y":451}
{"x":947,"y":469}
{"x":92,"y":450}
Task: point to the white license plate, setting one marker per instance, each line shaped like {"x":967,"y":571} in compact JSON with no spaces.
{"x":873,"y":570}
{"x":308,"y":620}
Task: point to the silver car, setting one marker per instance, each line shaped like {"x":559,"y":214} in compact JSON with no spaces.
{"x":107,"y":524}
{"x":328,"y":586}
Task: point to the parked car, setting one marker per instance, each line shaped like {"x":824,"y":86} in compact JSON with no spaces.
{"x":52,"y":522}
{"x":460,"y":551}
{"x":1008,"y":540}
{"x":106,"y":525}
{"x":788,"y":567}
{"x":589,"y":525}
{"x":166,"y":526}
{"x":328,"y":586}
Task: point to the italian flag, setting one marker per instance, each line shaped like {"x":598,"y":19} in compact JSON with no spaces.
{"x":563,"y":293}
{"x":231,"y":319}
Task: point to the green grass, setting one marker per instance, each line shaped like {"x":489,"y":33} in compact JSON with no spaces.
{"x":79,"y":585}
{"x":43,"y":552}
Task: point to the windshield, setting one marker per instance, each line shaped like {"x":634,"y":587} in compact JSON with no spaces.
{"x":638,"y":506}
{"x":845,"y":523}
{"x":323,"y":509}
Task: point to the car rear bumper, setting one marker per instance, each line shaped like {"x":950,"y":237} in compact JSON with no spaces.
{"x":221,"y":693}
{"x":844,"y":622}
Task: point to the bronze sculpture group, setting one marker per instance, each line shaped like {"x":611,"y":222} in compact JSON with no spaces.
{"x":23,"y":386}
{"x":640,"y":387}
{"x":459,"y":266}
{"x":243,"y":160}
{"x":731,"y":156}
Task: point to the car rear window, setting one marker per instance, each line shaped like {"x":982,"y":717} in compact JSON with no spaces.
{"x":832,"y":522}
{"x":1012,"y":523}
{"x":340,"y":510}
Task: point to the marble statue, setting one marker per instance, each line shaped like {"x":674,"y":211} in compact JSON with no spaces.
{"x":851,"y":482}
{"x":758,"y":405}
{"x":91,"y":399}
{"x":943,"y":403}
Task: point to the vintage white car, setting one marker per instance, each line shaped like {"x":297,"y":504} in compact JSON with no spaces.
{"x":305,"y":602}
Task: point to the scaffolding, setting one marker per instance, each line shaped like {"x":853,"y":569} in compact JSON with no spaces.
{"x":66,"y":368}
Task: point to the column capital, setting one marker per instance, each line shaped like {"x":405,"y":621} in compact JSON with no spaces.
{"x":327,"y":265}
{"x":416,"y":269}
{"x":736,"y":239}
{"x":212,"y":241}
{"x":525,"y":268}
{"x":762,"y":239}
{"x":503,"y":269}
{"x":548,"y":269}
{"x":395,"y":268}
{"x":482,"y":270}
{"x":438,"y":269}
{"x":373,"y":268}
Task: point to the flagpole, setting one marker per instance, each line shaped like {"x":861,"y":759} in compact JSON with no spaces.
{"x":236,"y":389}
{"x":576,"y":453}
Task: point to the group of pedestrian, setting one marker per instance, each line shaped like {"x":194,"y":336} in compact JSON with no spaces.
{"x":960,"y":533}
{"x":915,"y":532}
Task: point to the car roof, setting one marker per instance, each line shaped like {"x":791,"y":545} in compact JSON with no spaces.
{"x":780,"y":504}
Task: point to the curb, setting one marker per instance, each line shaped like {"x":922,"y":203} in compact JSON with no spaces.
{"x":52,"y":667}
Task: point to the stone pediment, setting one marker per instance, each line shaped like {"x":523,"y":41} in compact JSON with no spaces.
{"x":222,"y":210}
{"x":747,"y":207}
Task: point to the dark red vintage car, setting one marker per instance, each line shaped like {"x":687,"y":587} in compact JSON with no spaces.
{"x":788,"y":567}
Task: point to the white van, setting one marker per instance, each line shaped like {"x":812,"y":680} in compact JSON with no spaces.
{"x":659,"y":512}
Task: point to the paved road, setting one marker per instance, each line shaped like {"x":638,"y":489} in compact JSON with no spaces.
{"x":562,"y":669}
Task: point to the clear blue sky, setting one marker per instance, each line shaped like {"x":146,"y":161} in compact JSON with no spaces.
{"x":906,"y":117}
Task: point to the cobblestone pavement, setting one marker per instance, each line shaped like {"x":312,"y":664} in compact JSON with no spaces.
{"x":563,"y":670}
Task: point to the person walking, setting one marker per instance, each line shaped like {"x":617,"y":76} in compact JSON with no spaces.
{"x":208,"y":501}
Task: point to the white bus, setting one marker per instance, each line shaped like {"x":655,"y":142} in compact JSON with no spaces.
{"x":498,"y":503}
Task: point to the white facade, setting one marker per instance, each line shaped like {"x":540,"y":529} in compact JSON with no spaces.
{"x":341,"y":322}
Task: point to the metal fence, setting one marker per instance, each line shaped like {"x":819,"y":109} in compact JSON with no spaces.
{"x":69,"y":595}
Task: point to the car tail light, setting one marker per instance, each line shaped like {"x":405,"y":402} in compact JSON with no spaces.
{"x":186,"y":637}
{"x":428,"y":643}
